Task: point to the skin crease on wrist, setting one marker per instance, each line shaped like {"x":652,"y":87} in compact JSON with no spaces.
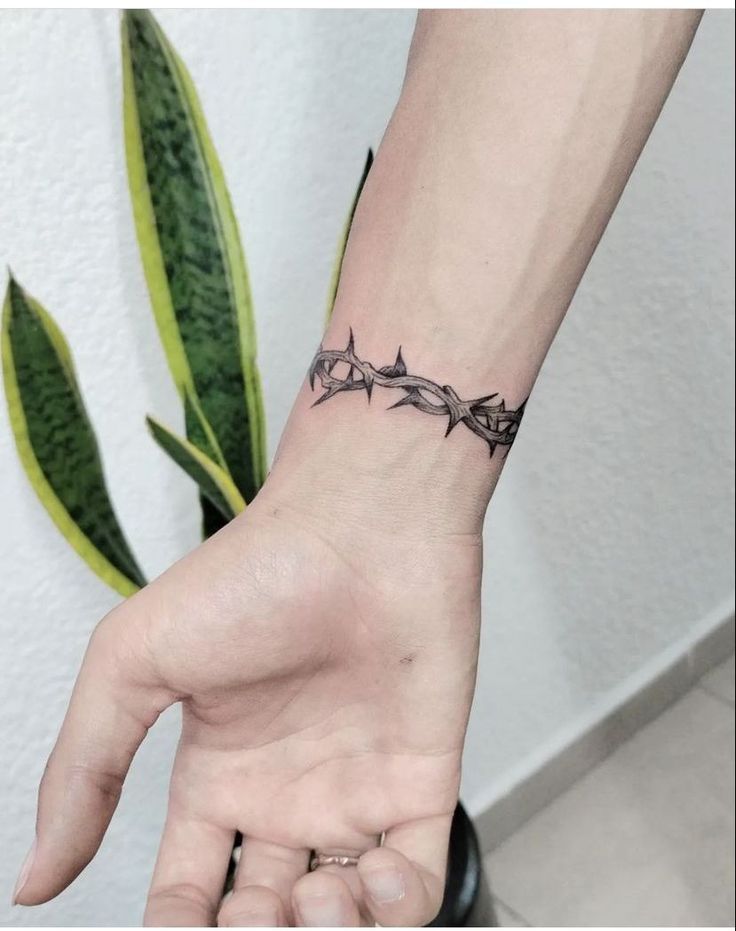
{"x":323,"y":645}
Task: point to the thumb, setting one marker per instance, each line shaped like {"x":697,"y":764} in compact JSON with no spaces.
{"x":115,"y":700}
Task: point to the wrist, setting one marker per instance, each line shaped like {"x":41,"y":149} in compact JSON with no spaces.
{"x":394,"y":471}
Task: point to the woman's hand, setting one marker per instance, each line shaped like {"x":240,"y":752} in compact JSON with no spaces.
{"x":325,"y":667}
{"x":323,"y":646}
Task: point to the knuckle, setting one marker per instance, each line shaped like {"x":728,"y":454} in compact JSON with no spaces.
{"x":190,"y":893}
{"x":250,"y":902}
{"x":119,"y":644}
{"x":105,"y":641}
{"x":108,"y":785}
{"x":76,"y":776}
{"x":318,"y":882}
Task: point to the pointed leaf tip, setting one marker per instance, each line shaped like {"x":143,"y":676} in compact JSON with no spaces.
{"x":214,"y":483}
{"x":342,"y":245}
{"x":56,"y":442}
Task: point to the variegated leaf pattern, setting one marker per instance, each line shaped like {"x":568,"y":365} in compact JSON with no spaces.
{"x":214,"y":483}
{"x":191,"y":251}
{"x":56,"y":442}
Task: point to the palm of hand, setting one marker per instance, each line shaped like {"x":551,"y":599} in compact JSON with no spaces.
{"x":325,"y":689}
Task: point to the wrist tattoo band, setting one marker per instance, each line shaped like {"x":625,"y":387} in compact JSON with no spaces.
{"x":487,"y":417}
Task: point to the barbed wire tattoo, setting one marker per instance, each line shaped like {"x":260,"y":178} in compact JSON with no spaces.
{"x":487,"y":417}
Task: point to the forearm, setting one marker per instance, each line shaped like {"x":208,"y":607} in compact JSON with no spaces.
{"x":511,"y":143}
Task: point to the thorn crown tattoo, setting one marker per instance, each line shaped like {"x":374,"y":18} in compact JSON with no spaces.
{"x":487,"y":417}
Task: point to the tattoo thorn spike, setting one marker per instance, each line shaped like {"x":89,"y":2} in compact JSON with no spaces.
{"x":454,"y":421}
{"x":329,"y":393}
{"x":402,"y":402}
{"x":480,"y":401}
{"x":313,"y":366}
{"x":486,"y":420}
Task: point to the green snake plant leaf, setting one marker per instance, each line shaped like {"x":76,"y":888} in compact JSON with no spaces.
{"x":337,"y":269}
{"x":192,"y":255}
{"x":214,"y":482}
{"x":56,"y":442}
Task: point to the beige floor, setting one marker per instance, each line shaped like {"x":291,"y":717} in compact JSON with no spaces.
{"x":645,"y":839}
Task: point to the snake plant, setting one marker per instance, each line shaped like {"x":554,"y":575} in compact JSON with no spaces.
{"x":200,"y":295}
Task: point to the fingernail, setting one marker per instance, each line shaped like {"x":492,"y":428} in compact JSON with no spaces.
{"x":25,"y":872}
{"x":320,"y":911}
{"x":384,"y":886}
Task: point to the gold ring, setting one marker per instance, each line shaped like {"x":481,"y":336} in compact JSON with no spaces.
{"x":329,"y":859}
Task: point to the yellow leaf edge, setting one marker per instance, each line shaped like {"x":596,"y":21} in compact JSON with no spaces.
{"x":343,"y":241}
{"x":219,"y":476}
{"x":54,"y":507}
{"x":238,"y":278}
{"x":150,"y":250}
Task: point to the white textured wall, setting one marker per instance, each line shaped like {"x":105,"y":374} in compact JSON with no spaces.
{"x":610,"y":536}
